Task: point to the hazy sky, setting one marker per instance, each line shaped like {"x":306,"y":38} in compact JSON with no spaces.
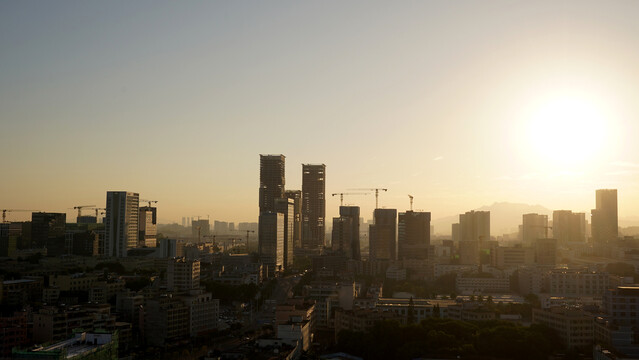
{"x":459,"y":103}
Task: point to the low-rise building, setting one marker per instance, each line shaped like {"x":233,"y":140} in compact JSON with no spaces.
{"x":82,"y":346}
{"x":573,"y":326}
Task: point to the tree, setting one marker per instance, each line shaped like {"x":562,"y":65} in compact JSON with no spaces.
{"x":410,"y":317}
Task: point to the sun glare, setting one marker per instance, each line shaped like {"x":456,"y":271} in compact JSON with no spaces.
{"x":567,"y":131}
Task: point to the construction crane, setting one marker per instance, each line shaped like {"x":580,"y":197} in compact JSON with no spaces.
{"x":411,"y":201}
{"x":97,"y":212}
{"x":5,"y":211}
{"x":80,"y":207}
{"x":341,"y":196}
{"x":247,"y":238}
{"x":149,"y":201}
{"x":376,"y":194}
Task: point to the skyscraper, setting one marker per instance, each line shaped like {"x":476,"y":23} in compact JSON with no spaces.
{"x":296,"y":196}
{"x":534,"y":227}
{"x":473,"y":225}
{"x":287,"y":207}
{"x":271,"y":241}
{"x":383,"y":234}
{"x":313,"y":205}
{"x":605,"y":225}
{"x":147,"y":227}
{"x":345,"y":236}
{"x":413,"y":235}
{"x":121,"y":226}
{"x":568,"y":226}
{"x":200,"y":228}
{"x":271,"y":181}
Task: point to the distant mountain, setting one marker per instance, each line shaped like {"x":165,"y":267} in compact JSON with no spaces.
{"x":505,"y":217}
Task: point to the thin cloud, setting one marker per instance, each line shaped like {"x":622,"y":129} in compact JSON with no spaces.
{"x":438,"y":158}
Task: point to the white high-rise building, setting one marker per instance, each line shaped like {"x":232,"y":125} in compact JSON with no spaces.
{"x":121,"y":222}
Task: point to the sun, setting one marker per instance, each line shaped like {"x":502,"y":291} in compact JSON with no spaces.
{"x":567,"y":131}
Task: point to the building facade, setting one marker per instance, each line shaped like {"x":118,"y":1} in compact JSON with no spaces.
{"x":313,"y":205}
{"x":121,"y":226}
{"x":413,"y":232}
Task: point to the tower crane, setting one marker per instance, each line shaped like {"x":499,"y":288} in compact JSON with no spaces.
{"x":149,"y":201}
{"x":376,"y":194}
{"x":80,"y":207}
{"x":247,"y":238}
{"x":341,"y":196}
{"x":411,"y":201}
{"x":5,"y":211}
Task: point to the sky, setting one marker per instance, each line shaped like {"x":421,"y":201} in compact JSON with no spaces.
{"x":458,"y":103}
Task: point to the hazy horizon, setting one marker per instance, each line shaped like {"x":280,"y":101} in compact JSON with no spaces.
{"x":460,"y":104}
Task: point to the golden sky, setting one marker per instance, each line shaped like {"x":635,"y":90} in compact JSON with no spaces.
{"x":460,"y":104}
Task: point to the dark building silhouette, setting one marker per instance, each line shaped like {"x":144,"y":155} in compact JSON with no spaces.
{"x":345,"y":236}
{"x":568,"y":226}
{"x":271,"y":181}
{"x":296,"y":196}
{"x":313,"y":205}
{"x":47,"y":230}
{"x":413,"y":237}
{"x":605,"y":224}
{"x":383,"y":235}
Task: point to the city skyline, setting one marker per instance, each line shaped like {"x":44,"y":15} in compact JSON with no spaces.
{"x":458,"y":110}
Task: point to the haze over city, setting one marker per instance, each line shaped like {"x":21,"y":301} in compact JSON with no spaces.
{"x":460,"y":104}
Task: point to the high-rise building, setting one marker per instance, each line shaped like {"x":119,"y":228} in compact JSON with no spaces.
{"x":605,"y":224}
{"x":534,"y":226}
{"x":287,"y":207}
{"x":121,"y":226}
{"x":413,"y":235}
{"x":456,"y":233}
{"x":568,"y":226}
{"x":296,"y":196}
{"x":271,"y":241}
{"x":220,"y":227}
{"x":313,"y":205}
{"x":383,"y":234}
{"x":271,"y":181}
{"x":474,"y":225}
{"x":345,"y":236}
{"x":48,"y":230}
{"x":200,"y":228}
{"x":148,"y":228}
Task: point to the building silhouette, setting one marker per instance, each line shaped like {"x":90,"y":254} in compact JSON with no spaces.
{"x":474,"y":225}
{"x":271,"y":242}
{"x":287,"y":207}
{"x":534,"y":226}
{"x":296,"y":196}
{"x":148,"y":226}
{"x":413,"y":238}
{"x":568,"y":227}
{"x":383,"y":234}
{"x":345,"y":235}
{"x":313,"y":205}
{"x":605,"y":224}
{"x":121,"y":226}
{"x":48,"y":231}
{"x":200,"y":228}
{"x":272,"y":179}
